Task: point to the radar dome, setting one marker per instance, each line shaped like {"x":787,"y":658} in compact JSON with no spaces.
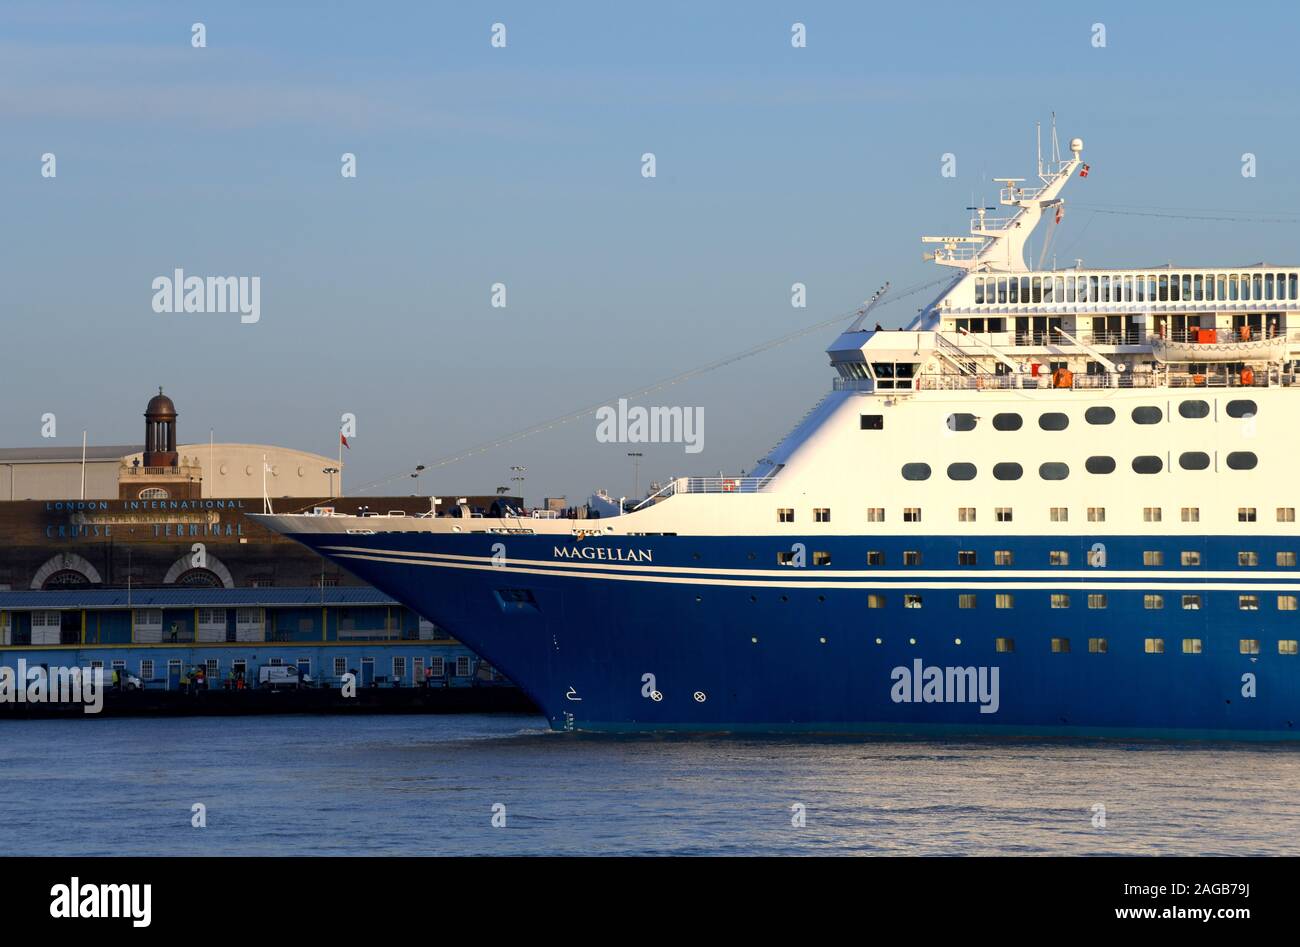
{"x":1076,"y":145}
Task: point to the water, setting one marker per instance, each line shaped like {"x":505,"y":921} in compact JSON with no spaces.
{"x":418,"y":785}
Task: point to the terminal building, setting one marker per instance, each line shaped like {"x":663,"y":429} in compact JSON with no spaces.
{"x":142,"y":558}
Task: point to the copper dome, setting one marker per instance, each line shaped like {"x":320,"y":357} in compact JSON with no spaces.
{"x":160,"y":407}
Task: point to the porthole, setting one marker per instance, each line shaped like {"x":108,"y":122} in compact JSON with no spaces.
{"x":1194,"y":460}
{"x":1241,"y":409}
{"x":1100,"y":465}
{"x":1194,"y":409}
{"x":916,"y":471}
{"x":1147,"y":414}
{"x":1008,"y":471}
{"x":1099,"y":415}
{"x":1053,"y":421}
{"x":961,"y":422}
{"x":1053,"y":470}
{"x":1007,"y":422}
{"x":1148,"y":464}
{"x":961,"y":471}
{"x":1242,"y":460}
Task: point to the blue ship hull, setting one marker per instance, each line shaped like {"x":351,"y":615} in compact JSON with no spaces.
{"x":677,"y":633}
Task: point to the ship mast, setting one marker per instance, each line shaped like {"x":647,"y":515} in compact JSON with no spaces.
{"x":997,"y":244}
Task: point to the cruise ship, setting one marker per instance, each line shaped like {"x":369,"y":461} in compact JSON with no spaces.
{"x":1059,"y":503}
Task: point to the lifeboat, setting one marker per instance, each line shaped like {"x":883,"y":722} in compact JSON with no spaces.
{"x":1213,"y":350}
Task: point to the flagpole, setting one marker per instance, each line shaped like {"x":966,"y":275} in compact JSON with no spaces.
{"x":340,"y":447}
{"x":83,"y":465}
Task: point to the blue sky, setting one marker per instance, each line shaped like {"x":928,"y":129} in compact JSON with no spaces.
{"x":522,"y":166}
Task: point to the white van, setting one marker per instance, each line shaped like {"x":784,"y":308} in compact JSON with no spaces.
{"x":281,"y":675}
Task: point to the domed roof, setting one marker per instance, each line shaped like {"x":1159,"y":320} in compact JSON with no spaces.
{"x":160,"y":406}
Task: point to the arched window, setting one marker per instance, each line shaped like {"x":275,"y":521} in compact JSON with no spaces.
{"x":199,"y":578}
{"x":153,"y":493}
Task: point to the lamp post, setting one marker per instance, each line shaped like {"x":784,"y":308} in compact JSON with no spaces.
{"x":331,"y":471}
{"x":636,"y":456}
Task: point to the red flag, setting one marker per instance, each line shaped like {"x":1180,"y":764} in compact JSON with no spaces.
{"x":1083,"y":173}
{"x":1060,"y":212}
{"x":344,"y":441}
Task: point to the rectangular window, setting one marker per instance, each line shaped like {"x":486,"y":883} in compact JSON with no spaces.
{"x":1153,"y":557}
{"x":911,"y":557}
{"x":1286,"y":558}
{"x":1004,"y":645}
{"x":911,"y":600}
{"x":822,"y":514}
{"x":785,"y":515}
{"x":1060,"y":646}
{"x":1096,"y":645}
{"x":1245,"y":514}
{"x":462,"y":665}
{"x":966,"y":557}
{"x":1004,"y":600}
{"x":1192,"y":603}
{"x":1003,"y":514}
{"x":340,"y":666}
{"x":1151,"y":514}
{"x":876,"y":514}
{"x":1060,"y":514}
{"x":1248,"y":603}
{"x":1286,"y":514}
{"x":872,"y":422}
{"x":966,"y":600}
{"x":437,"y":666}
{"x":1096,"y":599}
{"x":1286,"y":646}
{"x":821,"y":557}
{"x":1002,"y":557}
{"x":875,"y":557}
{"x":911,"y":514}
{"x":1191,"y":646}
{"x":1155,"y":646}
{"x":1058,"y":557}
{"x":785,"y":558}
{"x":399,"y":667}
{"x":1190,"y":557}
{"x":965,"y":514}
{"x":1060,"y":600}
{"x":875,"y":600}
{"x":146,"y":671}
{"x":1191,"y":514}
{"x":1096,"y":514}
{"x":1249,"y":645}
{"x":1153,"y":601}
{"x":1247,"y":558}
{"x":1286,"y":603}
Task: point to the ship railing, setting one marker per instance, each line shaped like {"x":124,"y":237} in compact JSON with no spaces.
{"x":706,"y":485}
{"x":1236,"y":334}
{"x":853,"y":384}
{"x":1213,"y":377}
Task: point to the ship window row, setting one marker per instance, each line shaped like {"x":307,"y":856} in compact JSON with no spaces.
{"x":1135,"y":287}
{"x":1099,"y":464}
{"x":1151,"y":601}
{"x":1191,"y":409}
{"x":1188,"y":558}
{"x":1286,"y":646}
{"x":1057,"y":514}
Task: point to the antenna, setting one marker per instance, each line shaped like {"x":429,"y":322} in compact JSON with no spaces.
{"x":1038,"y":132}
